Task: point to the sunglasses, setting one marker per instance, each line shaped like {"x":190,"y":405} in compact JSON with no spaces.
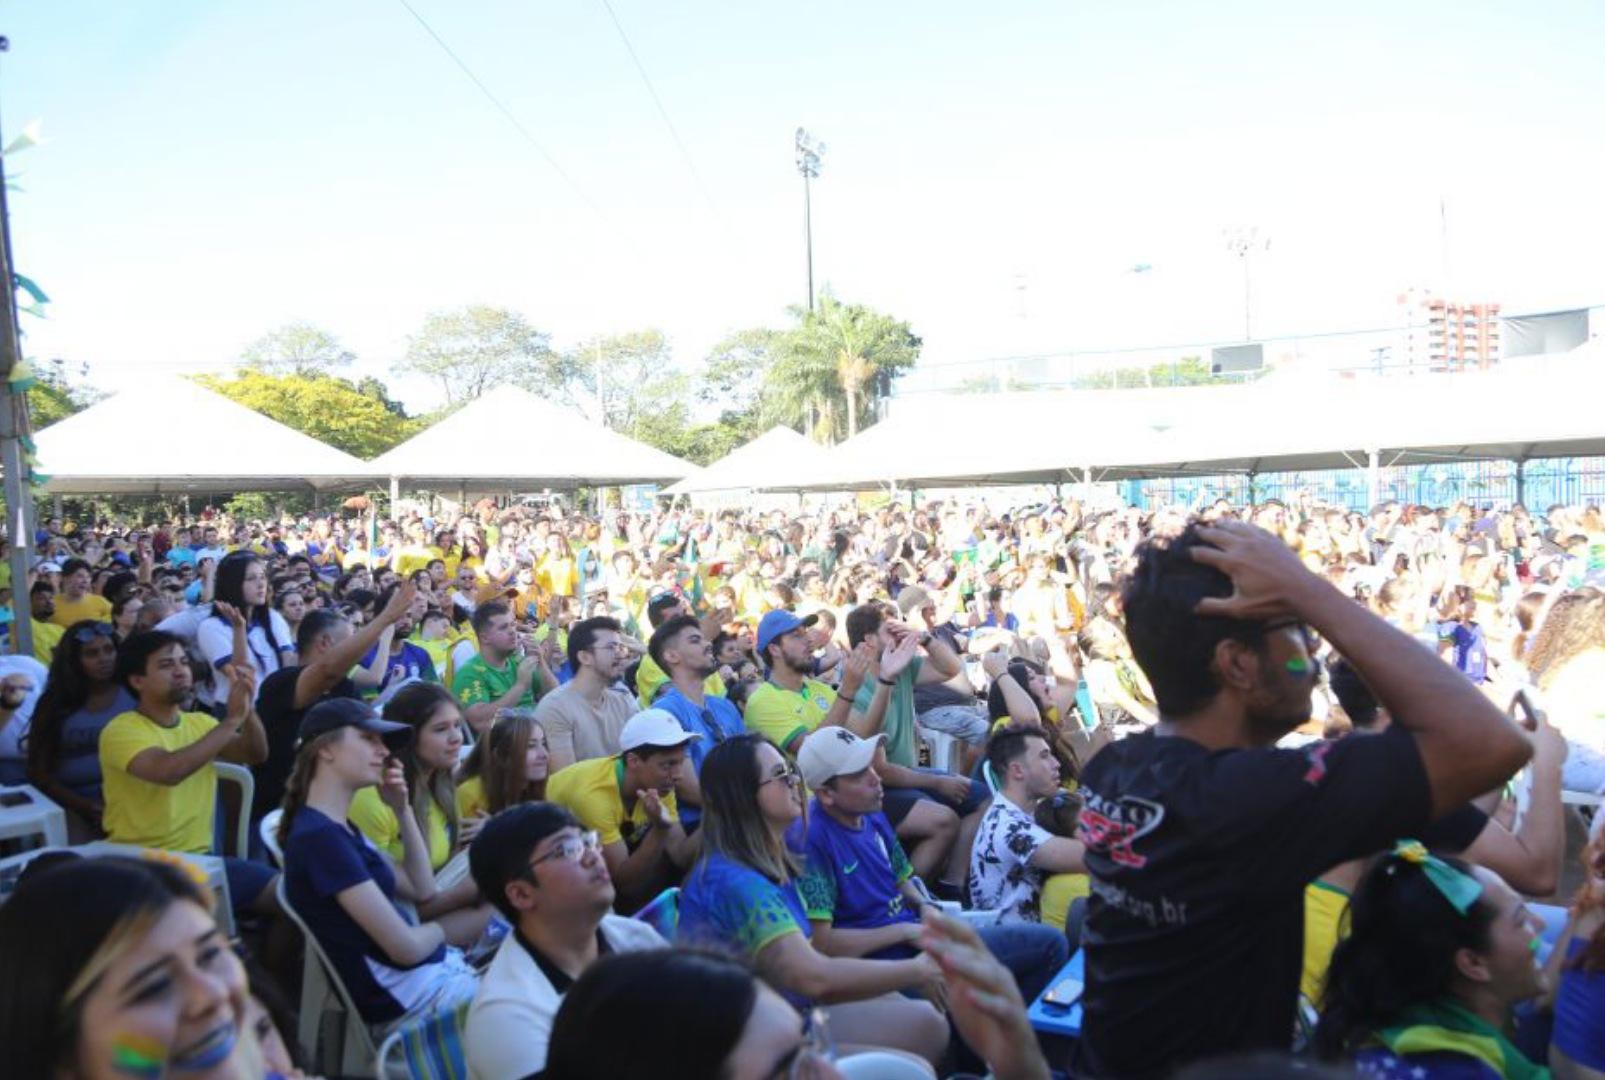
{"x":85,"y":634}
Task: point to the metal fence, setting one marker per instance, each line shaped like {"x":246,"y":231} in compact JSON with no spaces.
{"x":1543,"y":483}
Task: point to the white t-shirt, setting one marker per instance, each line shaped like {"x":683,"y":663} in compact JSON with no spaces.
{"x":215,"y":639}
{"x":13,"y":737}
{"x":510,"y":1022}
{"x":1002,"y":878}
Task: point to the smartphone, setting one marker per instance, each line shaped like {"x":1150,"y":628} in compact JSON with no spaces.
{"x":1064,"y":993}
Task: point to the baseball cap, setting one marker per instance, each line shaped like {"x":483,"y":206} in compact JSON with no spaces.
{"x":336,"y":713}
{"x":653,"y":727}
{"x":912,"y":598}
{"x":834,"y":751}
{"x":50,"y":567}
{"x":776,"y":623}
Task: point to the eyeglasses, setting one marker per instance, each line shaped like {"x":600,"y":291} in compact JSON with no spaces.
{"x":791,"y":778}
{"x":85,"y":634}
{"x":572,"y":848}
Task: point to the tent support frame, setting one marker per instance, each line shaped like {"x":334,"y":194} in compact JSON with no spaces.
{"x":13,"y":427}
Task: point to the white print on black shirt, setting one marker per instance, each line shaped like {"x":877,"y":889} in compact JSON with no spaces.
{"x":1170,"y":912}
{"x":1114,"y":825}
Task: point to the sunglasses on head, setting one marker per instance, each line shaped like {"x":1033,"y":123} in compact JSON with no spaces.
{"x":85,"y":634}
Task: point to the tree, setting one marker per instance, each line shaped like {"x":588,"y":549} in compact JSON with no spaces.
{"x":330,"y":410}
{"x":54,"y":396}
{"x":373,"y":387}
{"x":618,"y":378}
{"x":469,"y":351}
{"x":834,"y":362}
{"x":733,"y":373}
{"x":297,"y":349}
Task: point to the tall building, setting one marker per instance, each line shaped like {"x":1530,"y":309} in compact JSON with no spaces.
{"x":1441,"y":335}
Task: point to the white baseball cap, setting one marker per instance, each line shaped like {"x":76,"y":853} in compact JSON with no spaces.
{"x":834,"y":751}
{"x":653,"y":727}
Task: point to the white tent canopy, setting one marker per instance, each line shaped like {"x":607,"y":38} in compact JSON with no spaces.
{"x":778,"y":460}
{"x":1522,"y":411}
{"x":173,"y":435}
{"x":509,"y":439}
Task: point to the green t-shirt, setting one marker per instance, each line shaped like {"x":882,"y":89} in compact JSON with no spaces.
{"x":902,"y":741}
{"x":477,"y":682}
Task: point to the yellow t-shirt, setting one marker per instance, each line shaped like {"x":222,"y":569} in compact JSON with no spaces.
{"x":559,"y":576}
{"x":46,"y":636}
{"x":781,"y":715}
{"x":379,"y":824}
{"x":471,"y":798}
{"x":591,"y":790}
{"x":412,"y":557}
{"x":1323,"y":919}
{"x":649,"y":678}
{"x":175,"y":817}
{"x":89,"y":606}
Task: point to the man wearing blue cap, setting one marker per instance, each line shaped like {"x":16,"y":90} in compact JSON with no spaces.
{"x":792,"y":703}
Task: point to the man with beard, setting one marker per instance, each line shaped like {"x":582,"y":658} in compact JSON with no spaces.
{"x":583,"y":717}
{"x":1201,"y":835}
{"x":792,"y":703}
{"x":403,"y":661}
{"x":682,"y":651}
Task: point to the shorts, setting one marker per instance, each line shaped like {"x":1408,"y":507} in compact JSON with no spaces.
{"x":897,"y":802}
{"x":247,"y":881}
{"x":968,"y":723}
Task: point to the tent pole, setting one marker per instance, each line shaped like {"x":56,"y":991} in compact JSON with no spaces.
{"x":395,"y":494}
{"x":1373,"y":479}
{"x":1086,"y":485}
{"x":1521,"y":481}
{"x":55,"y":504}
{"x":13,"y":428}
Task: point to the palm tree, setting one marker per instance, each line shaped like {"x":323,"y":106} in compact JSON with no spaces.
{"x":839,"y":349}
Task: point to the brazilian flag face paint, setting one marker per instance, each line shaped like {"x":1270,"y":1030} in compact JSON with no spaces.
{"x":1298,"y":666}
{"x":138,"y":1056}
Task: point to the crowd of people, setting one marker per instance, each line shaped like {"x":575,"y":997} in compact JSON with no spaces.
{"x":748,"y":793}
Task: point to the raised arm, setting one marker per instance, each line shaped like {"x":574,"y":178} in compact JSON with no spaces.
{"x":324,"y":673}
{"x":1467,"y":745}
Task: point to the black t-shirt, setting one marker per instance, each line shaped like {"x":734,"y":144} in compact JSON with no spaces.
{"x":1195,"y":926}
{"x":275,"y":704}
{"x":1455,"y":831}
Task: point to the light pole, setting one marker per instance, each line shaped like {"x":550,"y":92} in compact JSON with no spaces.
{"x":1240,"y":241}
{"x":809,"y":151}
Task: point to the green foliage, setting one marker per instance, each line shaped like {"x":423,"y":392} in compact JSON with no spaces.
{"x":297,"y":349}
{"x":626,"y":375}
{"x":330,"y":410}
{"x":1188,"y":371}
{"x":469,"y":351}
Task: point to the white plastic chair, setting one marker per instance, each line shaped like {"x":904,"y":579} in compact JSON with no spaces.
{"x":238,"y":774}
{"x":268,"y":829}
{"x":879,"y":1065}
{"x":318,"y":977}
{"x":944,"y":748}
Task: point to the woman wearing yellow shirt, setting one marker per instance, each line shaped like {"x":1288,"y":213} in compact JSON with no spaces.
{"x":558,"y":573}
{"x":507,"y":767}
{"x":429,"y":763}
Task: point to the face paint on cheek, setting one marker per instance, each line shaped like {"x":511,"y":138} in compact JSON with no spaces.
{"x":139,"y":1056}
{"x":1298,"y":666}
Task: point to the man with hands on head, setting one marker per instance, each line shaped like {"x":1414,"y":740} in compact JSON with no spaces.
{"x":1183,"y":965}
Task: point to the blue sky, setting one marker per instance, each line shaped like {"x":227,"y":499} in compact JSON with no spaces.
{"x":993,"y":172}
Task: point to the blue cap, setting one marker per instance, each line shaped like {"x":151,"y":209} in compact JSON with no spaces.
{"x":776,"y":623}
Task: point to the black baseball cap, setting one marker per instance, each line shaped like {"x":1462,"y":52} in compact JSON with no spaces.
{"x":336,"y":713}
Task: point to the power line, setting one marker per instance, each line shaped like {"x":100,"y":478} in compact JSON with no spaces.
{"x":500,"y":107}
{"x":674,"y":132}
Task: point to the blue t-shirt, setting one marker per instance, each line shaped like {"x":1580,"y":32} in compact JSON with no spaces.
{"x":322,"y":860}
{"x":78,"y":764}
{"x":725,"y":903}
{"x":854,"y":876}
{"x":412,"y":659}
{"x":181,"y":556}
{"x":1471,"y":649}
{"x":716,"y":719}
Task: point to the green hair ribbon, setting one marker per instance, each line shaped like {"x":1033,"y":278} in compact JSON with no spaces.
{"x":1460,"y":889}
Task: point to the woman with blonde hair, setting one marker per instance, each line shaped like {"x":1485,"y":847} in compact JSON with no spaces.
{"x":507,"y":767}
{"x":1567,"y":663}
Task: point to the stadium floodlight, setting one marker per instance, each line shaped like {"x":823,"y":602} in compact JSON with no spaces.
{"x":809,"y":151}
